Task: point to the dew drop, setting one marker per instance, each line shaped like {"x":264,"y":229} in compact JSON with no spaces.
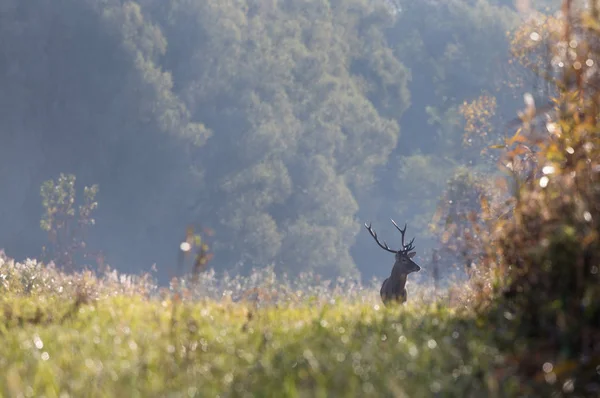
{"x":550,"y":378}
{"x":39,"y":344}
{"x":413,"y":351}
{"x":548,"y":170}
{"x":435,"y":387}
{"x":528,"y":99}
{"x":569,"y":386}
{"x":535,"y":36}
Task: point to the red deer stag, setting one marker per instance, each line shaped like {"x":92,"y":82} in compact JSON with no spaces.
{"x":393,"y":288}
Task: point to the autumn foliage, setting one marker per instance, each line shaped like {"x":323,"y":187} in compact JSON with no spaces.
{"x":547,"y":252}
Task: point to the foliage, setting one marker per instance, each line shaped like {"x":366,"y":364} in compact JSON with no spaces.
{"x":297,"y":124}
{"x":479,"y":116}
{"x":427,"y":174}
{"x":545,"y":255}
{"x":66,"y":226}
{"x":446,"y":47}
{"x":270,"y":121}
{"x":82,"y":91}
{"x":453,"y":221}
{"x":238,"y":114}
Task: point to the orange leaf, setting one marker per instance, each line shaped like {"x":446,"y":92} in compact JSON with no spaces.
{"x":515,"y":137}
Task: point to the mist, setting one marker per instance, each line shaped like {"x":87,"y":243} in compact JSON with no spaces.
{"x":281,"y":126}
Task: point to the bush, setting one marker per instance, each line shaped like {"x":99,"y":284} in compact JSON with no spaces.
{"x":547,"y":254}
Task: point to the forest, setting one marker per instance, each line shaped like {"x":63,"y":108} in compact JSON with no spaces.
{"x":282,"y":126}
{"x":186,"y":184}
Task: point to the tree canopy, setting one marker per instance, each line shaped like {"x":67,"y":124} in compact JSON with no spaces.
{"x":282,"y":125}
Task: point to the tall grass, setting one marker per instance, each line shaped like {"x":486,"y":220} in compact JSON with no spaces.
{"x":82,"y":334}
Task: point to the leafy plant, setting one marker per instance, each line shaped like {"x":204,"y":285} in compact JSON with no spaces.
{"x":546,"y":253}
{"x":65,"y":224}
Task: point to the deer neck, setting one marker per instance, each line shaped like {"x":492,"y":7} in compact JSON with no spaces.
{"x":398,"y":277}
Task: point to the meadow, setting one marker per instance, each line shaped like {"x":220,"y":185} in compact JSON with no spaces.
{"x":330,"y":88}
{"x":111,"y":335}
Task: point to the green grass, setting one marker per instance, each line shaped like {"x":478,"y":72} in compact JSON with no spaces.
{"x":112,"y":336}
{"x":128,"y":346}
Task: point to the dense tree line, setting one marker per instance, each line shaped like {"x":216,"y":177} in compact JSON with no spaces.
{"x":282,"y":125}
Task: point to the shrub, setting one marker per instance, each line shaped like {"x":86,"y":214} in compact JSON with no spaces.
{"x":547,"y":253}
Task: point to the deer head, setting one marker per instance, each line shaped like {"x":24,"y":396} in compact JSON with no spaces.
{"x":403,"y":255}
{"x":393,"y":287}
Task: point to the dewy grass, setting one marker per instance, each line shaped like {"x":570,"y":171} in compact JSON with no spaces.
{"x":122,"y":346}
{"x":114,"y":336}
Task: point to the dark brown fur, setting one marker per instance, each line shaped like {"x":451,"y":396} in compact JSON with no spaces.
{"x":393,"y":288}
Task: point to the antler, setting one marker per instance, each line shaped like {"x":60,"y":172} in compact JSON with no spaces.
{"x":374,"y":235}
{"x":405,"y":248}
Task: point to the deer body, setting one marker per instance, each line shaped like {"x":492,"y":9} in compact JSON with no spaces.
{"x":393,"y":288}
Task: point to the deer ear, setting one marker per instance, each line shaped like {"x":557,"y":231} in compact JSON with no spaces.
{"x":411,"y":254}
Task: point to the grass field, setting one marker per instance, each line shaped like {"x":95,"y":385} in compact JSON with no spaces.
{"x":114,"y":336}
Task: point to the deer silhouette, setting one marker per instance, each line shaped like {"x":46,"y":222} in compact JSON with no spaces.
{"x":393,"y":288}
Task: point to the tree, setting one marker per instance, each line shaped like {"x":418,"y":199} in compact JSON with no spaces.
{"x":295,"y":133}
{"x":83,"y":94}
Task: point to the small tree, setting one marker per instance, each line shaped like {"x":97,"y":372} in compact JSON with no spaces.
{"x":65,"y":226}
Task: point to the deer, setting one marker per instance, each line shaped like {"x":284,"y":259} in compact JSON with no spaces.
{"x":393,"y":289}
